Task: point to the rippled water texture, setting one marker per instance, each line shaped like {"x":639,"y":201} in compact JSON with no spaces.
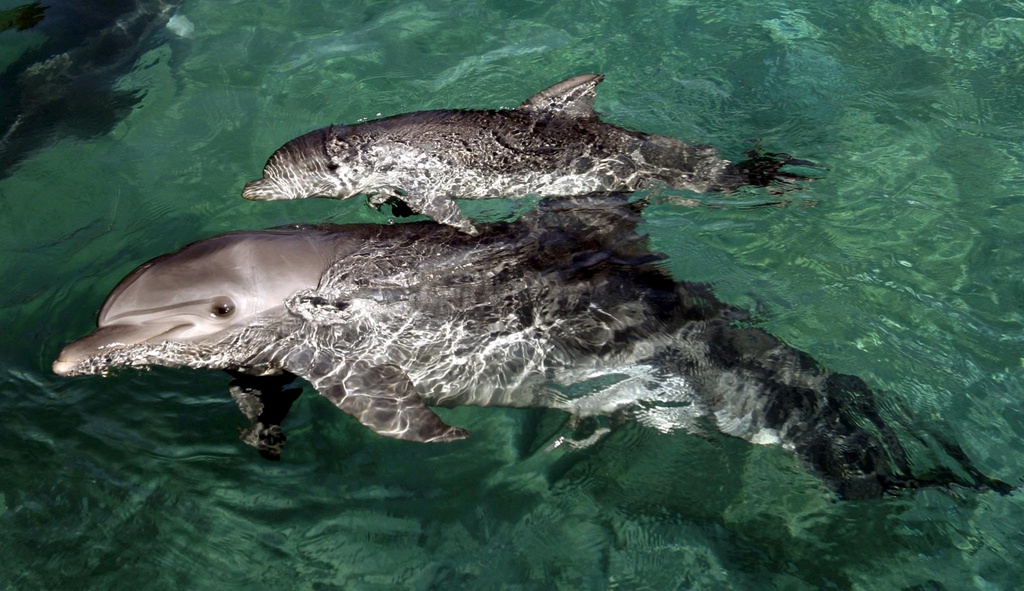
{"x":903,"y":266}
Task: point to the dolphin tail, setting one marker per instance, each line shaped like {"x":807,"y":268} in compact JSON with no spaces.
{"x":766,"y":169}
{"x":832,"y":421}
{"x":860,"y":455}
{"x":962,"y":473}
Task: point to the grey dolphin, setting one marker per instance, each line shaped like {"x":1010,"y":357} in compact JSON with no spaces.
{"x":564,"y":308}
{"x":552,"y":145}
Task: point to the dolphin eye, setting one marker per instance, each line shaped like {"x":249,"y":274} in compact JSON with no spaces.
{"x":222,"y":308}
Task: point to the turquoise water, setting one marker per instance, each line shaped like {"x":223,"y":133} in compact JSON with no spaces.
{"x":903,"y":265}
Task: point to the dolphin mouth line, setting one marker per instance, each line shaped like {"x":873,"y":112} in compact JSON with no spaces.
{"x":149,"y":311}
{"x":65,"y":368}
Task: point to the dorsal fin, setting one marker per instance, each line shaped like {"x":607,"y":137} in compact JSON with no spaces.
{"x":569,"y":98}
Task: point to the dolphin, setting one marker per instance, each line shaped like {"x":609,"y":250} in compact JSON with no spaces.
{"x":552,"y":145}
{"x":564,"y":308}
{"x":67,"y":84}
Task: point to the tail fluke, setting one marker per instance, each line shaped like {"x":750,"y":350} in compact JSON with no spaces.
{"x":764,"y":169}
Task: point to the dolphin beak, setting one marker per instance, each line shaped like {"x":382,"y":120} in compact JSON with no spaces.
{"x":63,"y":367}
{"x":261,"y":190}
{"x":103,"y":340}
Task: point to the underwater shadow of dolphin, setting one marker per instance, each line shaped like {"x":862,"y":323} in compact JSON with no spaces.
{"x":66,"y":86}
{"x":563,"y":308}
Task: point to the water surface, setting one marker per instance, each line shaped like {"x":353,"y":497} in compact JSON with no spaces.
{"x":903,"y":265}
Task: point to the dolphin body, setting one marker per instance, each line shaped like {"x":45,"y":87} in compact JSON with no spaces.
{"x":552,"y":145}
{"x":563,"y":308}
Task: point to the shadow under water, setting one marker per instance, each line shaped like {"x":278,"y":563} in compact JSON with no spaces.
{"x":67,"y":86}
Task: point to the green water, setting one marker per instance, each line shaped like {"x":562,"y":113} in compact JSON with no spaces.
{"x":903,"y":265}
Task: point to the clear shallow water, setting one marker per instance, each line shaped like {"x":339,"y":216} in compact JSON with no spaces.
{"x":902,"y":266}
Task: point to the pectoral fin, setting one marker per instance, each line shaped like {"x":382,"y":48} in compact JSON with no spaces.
{"x":389,"y":196}
{"x":383,"y":398}
{"x":441,"y":209}
{"x":265,"y":401}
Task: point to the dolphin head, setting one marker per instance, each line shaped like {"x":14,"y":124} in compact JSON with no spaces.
{"x":201,"y":293}
{"x":302,"y":168}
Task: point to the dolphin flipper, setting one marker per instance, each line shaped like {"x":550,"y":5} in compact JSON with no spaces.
{"x":265,"y":401}
{"x":383,"y":398}
{"x":380,"y":396}
{"x":440,"y":209}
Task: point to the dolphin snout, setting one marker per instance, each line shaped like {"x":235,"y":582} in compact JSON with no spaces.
{"x":261,"y":190}
{"x":62,"y":367}
{"x":72,"y":356}
{"x":102,"y":341}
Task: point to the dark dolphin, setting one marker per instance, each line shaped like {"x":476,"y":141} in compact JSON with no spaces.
{"x":553,"y":145}
{"x":66,"y":86}
{"x":564,"y":308}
